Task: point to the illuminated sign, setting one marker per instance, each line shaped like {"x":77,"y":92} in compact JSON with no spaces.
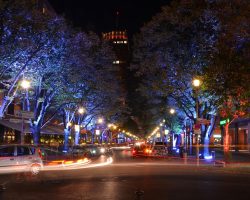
{"x":166,"y":131}
{"x":223,"y":122}
{"x":97,"y":132}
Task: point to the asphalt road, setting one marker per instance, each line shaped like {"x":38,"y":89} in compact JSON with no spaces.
{"x":128,"y":179}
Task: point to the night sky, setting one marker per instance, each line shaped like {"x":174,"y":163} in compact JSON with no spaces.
{"x":100,"y":16}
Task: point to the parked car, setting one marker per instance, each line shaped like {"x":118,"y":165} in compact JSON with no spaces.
{"x":49,"y":154}
{"x":88,"y":150}
{"x":16,"y":158}
{"x":80,"y":151}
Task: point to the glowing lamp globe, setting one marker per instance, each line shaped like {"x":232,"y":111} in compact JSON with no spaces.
{"x":196,"y":82}
{"x":81,"y":110}
{"x":172,"y":111}
{"x":25,"y":84}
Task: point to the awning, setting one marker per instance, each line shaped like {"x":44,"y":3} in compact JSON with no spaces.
{"x":17,"y":125}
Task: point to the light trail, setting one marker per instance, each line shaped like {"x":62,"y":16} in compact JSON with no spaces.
{"x":59,"y":166}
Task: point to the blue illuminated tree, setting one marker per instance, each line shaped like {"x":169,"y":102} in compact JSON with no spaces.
{"x":181,"y":43}
{"x":27,"y":37}
{"x":173,"y":48}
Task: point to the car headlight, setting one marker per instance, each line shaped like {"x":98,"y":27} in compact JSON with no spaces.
{"x":102,"y":150}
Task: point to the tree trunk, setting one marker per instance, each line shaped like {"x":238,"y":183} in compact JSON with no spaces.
{"x":93,"y":138}
{"x":4,"y":106}
{"x":66,"y":139}
{"x":77,"y":134}
{"x":207,"y":137}
{"x":36,"y":132}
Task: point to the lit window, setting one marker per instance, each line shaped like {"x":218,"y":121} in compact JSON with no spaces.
{"x":116,"y":62}
{"x":114,"y":42}
{"x":125,"y":42}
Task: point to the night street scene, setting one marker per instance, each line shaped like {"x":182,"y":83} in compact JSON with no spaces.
{"x":124,"y":100}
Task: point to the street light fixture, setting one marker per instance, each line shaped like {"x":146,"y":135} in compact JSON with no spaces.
{"x":81,"y":110}
{"x":25,"y":84}
{"x":196,"y":83}
{"x":100,"y":120}
{"x":172,"y":111}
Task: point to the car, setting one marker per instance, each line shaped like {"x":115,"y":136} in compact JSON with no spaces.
{"x":80,"y":151}
{"x":88,"y":150}
{"x":49,"y":154}
{"x":16,"y":158}
{"x":159,"y":149}
{"x":141,"y":150}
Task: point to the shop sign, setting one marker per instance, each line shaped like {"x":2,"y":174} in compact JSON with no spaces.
{"x":224,"y":121}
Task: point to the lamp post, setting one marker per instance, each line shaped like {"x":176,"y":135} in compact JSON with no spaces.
{"x":172,"y":112}
{"x":111,"y":127}
{"x":25,"y":84}
{"x":98,"y":131}
{"x":77,"y":126}
{"x":196,"y":83}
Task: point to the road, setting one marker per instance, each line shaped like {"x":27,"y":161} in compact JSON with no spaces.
{"x":129,"y":179}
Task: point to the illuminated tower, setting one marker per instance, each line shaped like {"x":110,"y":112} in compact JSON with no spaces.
{"x":118,"y":39}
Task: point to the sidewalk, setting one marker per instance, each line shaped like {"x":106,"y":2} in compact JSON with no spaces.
{"x":240,"y":159}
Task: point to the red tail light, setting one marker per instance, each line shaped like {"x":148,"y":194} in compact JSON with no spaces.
{"x":133,"y":152}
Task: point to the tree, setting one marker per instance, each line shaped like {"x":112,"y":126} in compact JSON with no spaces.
{"x":173,"y":48}
{"x":228,"y":75}
{"x":89,"y":81}
{"x":27,"y":37}
{"x":208,"y":39}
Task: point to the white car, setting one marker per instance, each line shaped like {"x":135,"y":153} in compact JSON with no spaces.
{"x":159,"y":150}
{"x":20,"y":158}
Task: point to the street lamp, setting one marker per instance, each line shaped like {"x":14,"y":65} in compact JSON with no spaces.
{"x":25,"y":84}
{"x":81,"y":110}
{"x":100,"y":120}
{"x":196,"y":83}
{"x":172,"y":111}
{"x":98,"y":131}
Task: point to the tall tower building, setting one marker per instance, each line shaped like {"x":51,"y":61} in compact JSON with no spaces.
{"x":119,"y":41}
